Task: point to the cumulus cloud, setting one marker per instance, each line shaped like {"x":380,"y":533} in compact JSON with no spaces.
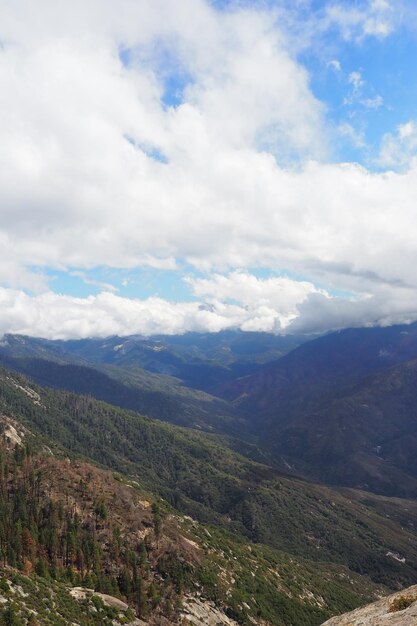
{"x":237,"y":300}
{"x":385,"y":307}
{"x":276,"y":298}
{"x":78,"y":184}
{"x":240,"y":300}
{"x":132,"y":139}
{"x":63,"y":317}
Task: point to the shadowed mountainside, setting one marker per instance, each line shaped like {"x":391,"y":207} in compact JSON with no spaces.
{"x":341,"y":408}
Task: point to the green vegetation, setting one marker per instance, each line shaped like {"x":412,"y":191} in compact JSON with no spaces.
{"x":35,"y":601}
{"x":57,"y":539}
{"x":200,"y":476}
{"x":73,"y":524}
{"x":66,"y":524}
{"x":190,"y":517}
{"x":157,"y":396}
{"x":401,"y":602}
{"x":276,"y":586}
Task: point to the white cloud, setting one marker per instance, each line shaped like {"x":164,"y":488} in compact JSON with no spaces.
{"x":408,"y":132}
{"x":356,"y":137}
{"x":373,"y":103}
{"x":399,"y":150}
{"x":73,"y":190}
{"x":355,"y":79}
{"x":367,"y":18}
{"x":335,"y":65}
{"x":94,"y":283}
{"x":272,"y":305}
{"x":385,"y":307}
{"x":277,"y":297}
{"x":356,"y":96}
{"x":63,"y":317}
{"x":79,"y":187}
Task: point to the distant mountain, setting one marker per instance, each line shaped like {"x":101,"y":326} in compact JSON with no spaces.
{"x":199,"y":360}
{"x":341,"y":408}
{"x":233,"y":540}
{"x":161,"y":376}
{"x":363,"y":436}
{"x":322,"y":364}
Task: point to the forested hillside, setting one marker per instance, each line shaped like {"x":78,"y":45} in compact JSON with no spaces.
{"x":157,"y":396}
{"x":200,"y":476}
{"x":341,"y":409}
{"x":65,"y":524}
{"x":260,"y":478}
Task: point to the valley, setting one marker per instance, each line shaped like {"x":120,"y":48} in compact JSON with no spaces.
{"x":303,"y":467}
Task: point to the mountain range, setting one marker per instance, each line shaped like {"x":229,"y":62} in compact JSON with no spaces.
{"x":339,"y":408}
{"x":298,"y":450}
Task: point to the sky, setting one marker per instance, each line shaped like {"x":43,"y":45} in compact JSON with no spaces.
{"x":170,"y":166}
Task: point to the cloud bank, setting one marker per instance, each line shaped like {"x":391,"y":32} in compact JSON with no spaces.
{"x":159,"y":133}
{"x":278,"y":305}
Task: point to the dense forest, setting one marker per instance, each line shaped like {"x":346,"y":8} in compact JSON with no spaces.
{"x":68,"y":537}
{"x":67,"y":523}
{"x":200,"y":476}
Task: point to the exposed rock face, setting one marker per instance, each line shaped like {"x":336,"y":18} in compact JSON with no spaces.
{"x":386,"y":612}
{"x":200,"y":613}
{"x":80,"y":593}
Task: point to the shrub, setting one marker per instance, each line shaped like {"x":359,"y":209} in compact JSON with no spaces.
{"x":401,"y":602}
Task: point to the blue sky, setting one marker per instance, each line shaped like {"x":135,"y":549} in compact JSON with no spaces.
{"x":207,"y":165}
{"x":388,"y":72}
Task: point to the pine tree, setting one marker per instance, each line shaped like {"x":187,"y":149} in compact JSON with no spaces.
{"x":157,"y":519}
{"x":10,"y":617}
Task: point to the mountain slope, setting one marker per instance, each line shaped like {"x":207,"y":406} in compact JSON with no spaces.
{"x":156,"y":396}
{"x":321,"y":365}
{"x":201,"y":477}
{"x":365,"y":435}
{"x":341,"y":409}
{"x":79,"y":526}
{"x":82,"y":546}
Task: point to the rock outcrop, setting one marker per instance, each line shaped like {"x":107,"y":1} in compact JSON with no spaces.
{"x":399,"y":609}
{"x":201,"y":613}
